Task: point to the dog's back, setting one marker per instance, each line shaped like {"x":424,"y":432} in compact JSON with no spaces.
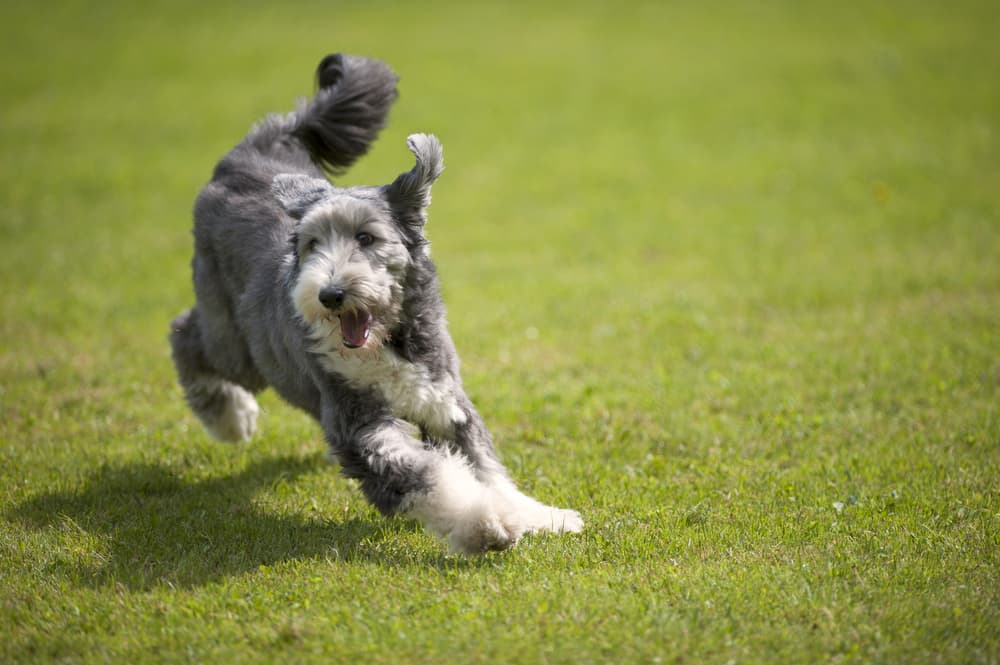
{"x":234,"y":215}
{"x":241,"y":234}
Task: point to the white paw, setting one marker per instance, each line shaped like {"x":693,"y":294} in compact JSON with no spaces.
{"x":464,"y":512}
{"x":486,"y":534}
{"x":556,"y":520}
{"x":475,"y":516}
{"x":239,"y":420}
{"x":535,"y":516}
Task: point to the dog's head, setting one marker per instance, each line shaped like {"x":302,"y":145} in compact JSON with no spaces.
{"x":353,"y":247}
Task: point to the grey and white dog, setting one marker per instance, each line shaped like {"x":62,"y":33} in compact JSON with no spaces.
{"x":329,"y":295}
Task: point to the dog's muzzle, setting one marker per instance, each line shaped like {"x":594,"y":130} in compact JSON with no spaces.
{"x":332,"y":297}
{"x":355,"y":324}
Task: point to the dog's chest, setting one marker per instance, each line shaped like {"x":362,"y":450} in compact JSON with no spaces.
{"x":407,"y":387}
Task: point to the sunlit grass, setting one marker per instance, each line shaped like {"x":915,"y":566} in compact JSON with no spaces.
{"x":723,"y":277}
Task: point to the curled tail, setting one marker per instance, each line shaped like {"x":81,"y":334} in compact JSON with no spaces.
{"x":349,"y":109}
{"x":341,"y":121}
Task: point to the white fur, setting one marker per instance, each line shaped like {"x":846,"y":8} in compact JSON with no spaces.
{"x":305,"y":294}
{"x":460,"y":509}
{"x":475,"y":517}
{"x":239,"y":419}
{"x":535,"y":515}
{"x":407,"y":387}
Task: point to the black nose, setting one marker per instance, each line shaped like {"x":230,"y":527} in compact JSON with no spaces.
{"x":332,"y":297}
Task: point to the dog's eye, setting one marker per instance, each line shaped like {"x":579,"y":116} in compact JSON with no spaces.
{"x":364,"y":239}
{"x":311,"y":246}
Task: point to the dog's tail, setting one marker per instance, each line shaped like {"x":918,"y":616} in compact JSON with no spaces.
{"x":350,"y":108}
{"x":339,"y":124}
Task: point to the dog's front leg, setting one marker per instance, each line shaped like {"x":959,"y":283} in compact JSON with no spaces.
{"x":399,"y":474}
{"x":474,"y":440}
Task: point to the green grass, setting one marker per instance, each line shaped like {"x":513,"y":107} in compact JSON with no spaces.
{"x":725,"y":277}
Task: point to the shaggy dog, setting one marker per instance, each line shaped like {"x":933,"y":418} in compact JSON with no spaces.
{"x":329,"y":295}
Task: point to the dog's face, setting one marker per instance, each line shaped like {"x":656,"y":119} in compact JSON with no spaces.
{"x":351,"y":267}
{"x":352,"y":248}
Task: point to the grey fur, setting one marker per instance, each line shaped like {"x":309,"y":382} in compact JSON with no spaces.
{"x":297,"y":192}
{"x":378,"y":369}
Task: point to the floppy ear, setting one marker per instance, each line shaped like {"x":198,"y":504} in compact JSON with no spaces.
{"x":297,"y":193}
{"x":411,"y":191}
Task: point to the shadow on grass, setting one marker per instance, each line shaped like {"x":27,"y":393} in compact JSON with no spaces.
{"x":158,"y":528}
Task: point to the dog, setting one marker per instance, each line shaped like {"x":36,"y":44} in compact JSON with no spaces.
{"x":329,"y":296}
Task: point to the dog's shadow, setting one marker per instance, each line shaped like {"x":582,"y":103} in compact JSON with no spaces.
{"x":155,"y":527}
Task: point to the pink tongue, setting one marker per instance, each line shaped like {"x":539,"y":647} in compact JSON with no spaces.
{"x":355,"y":328}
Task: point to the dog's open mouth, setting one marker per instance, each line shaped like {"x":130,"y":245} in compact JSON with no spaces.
{"x":355,"y":326}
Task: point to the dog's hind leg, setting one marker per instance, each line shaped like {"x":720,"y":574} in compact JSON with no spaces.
{"x":228,"y":411}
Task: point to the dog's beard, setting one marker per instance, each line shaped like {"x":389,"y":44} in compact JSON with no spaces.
{"x":361,"y":325}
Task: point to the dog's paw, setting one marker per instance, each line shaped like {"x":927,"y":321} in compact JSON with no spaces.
{"x":535,"y":516}
{"x":564,"y":520}
{"x":486,"y":534}
{"x":238,"y":420}
{"x":555,"y":520}
{"x":470,"y":516}
{"x":507,"y":518}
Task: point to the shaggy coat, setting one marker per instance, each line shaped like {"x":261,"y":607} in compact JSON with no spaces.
{"x":329,"y":296}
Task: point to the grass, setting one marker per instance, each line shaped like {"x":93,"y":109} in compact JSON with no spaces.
{"x":724,"y":277}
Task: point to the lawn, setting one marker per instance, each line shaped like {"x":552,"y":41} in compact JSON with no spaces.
{"x":725,"y":277}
